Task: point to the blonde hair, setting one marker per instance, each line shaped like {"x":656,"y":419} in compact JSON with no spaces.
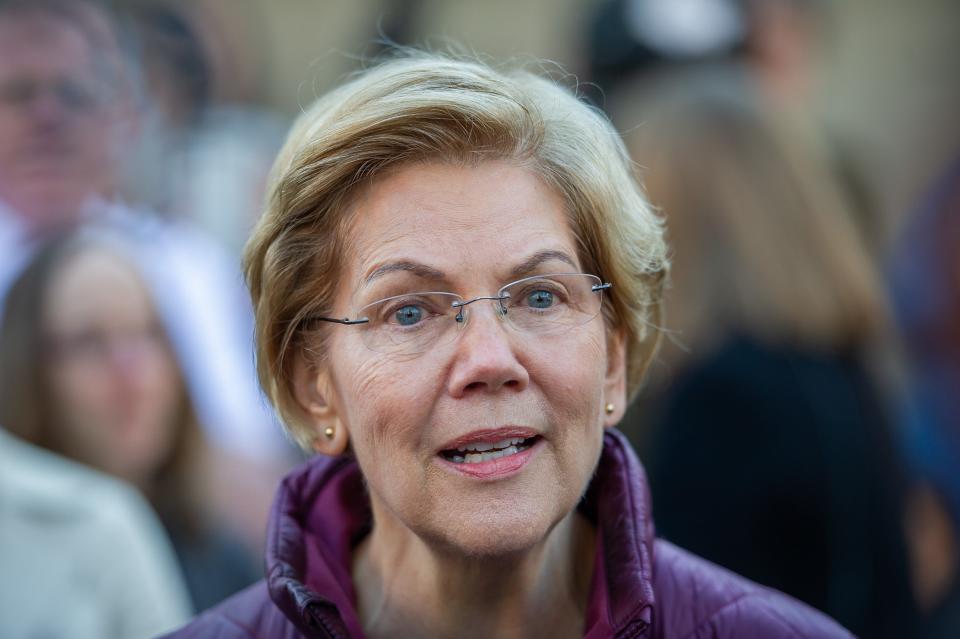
{"x":764,"y":239}
{"x":428,"y":107}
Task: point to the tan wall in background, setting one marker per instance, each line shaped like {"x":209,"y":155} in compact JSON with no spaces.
{"x":311,"y":42}
{"x":891,"y":70}
{"x":892,"y":85}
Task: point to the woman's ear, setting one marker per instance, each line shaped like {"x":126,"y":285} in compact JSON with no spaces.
{"x":615,"y":381}
{"x":311,"y":389}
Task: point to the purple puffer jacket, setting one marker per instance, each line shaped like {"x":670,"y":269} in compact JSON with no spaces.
{"x":642,"y":586}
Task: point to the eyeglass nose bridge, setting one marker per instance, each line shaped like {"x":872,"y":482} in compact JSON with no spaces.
{"x":501,"y":309}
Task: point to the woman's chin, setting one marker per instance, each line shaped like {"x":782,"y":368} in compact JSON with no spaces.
{"x":489,"y":533}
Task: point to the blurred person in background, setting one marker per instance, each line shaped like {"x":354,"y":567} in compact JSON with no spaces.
{"x":773,"y":44}
{"x":82,"y":555}
{"x":66,"y":111}
{"x":65,"y":114}
{"x":215,"y":152}
{"x":71,"y":108}
{"x":89,"y":372}
{"x":924,"y":273}
{"x":769,"y":439}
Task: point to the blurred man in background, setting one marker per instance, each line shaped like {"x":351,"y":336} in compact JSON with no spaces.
{"x":66,"y":111}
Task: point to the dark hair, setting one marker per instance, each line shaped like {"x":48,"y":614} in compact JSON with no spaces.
{"x":26,"y":406}
{"x":170,"y":45}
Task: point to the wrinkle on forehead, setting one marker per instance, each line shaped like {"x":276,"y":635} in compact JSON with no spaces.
{"x":458,"y":224}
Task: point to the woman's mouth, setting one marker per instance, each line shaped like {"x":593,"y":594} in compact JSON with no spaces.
{"x":478,"y":452}
{"x":492,"y":455}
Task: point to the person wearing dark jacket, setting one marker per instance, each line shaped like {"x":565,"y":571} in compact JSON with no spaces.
{"x":456,"y":285}
{"x":769,"y":436}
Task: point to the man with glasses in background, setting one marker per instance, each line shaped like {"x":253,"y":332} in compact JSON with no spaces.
{"x":66,"y":111}
{"x":71,"y":103}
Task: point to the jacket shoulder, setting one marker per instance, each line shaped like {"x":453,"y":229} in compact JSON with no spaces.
{"x":697,"y":599}
{"x":249,"y":614}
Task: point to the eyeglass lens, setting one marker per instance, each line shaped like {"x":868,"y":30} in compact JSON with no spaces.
{"x":539,"y":305}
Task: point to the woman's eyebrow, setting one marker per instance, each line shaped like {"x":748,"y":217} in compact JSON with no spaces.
{"x":531,"y":263}
{"x":406,"y":266}
{"x":428,"y":272}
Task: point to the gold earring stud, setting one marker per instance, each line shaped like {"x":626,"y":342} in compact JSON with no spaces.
{"x":328,"y":432}
{"x":609,"y":409}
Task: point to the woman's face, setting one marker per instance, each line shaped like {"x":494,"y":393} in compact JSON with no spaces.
{"x":467,"y":230}
{"x":115,"y":388}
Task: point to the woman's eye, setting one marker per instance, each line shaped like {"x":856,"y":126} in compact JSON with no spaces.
{"x":540,"y":299}
{"x":408,"y":315}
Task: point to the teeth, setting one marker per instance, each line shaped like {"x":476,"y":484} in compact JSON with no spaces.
{"x":510,"y":450}
{"x":482,"y":447}
{"x":476,"y":458}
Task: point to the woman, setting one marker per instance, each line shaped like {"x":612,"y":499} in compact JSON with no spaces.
{"x":470,"y":483}
{"x":771,"y":451}
{"x":88,"y":372}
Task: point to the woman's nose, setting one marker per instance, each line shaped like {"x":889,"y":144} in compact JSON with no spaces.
{"x":485,"y":359}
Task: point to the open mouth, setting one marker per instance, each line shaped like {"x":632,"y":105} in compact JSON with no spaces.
{"x":478,"y":452}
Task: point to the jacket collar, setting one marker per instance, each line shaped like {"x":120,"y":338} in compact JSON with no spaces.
{"x":322,"y":511}
{"x":618,"y":502}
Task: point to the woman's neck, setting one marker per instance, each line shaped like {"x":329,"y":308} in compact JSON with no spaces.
{"x":406,"y":588}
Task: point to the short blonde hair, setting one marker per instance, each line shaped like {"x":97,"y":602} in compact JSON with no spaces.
{"x":428,"y":107}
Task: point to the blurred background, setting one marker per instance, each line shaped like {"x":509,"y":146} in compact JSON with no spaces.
{"x":805,"y":155}
{"x":885,"y":72}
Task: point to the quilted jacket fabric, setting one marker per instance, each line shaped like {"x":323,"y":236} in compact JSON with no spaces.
{"x":642,"y":586}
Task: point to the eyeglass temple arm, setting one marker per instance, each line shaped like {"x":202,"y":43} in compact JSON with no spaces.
{"x":596,"y":288}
